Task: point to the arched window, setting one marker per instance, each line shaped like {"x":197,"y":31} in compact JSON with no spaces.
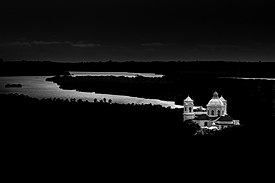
{"x":212,"y":112}
{"x":219,"y":112}
{"x":207,"y":112}
{"x":190,"y":109}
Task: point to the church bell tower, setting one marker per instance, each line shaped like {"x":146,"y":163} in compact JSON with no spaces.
{"x":188,"y":112}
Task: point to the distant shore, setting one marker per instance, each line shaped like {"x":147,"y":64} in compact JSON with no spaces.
{"x":201,"y":68}
{"x":139,"y":86}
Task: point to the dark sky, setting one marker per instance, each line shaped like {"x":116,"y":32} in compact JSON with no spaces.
{"x":120,"y":30}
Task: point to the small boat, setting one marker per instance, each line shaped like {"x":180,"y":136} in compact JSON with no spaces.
{"x":13,"y":85}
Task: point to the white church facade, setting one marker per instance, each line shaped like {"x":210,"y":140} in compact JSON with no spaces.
{"x":213,"y":116}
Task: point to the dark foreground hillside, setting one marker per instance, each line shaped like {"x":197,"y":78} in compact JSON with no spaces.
{"x":61,"y":121}
{"x":54,"y":131}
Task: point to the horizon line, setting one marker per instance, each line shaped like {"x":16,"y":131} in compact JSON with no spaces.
{"x":136,"y":61}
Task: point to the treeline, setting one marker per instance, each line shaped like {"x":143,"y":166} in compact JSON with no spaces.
{"x":57,"y":119}
{"x":206,"y":68}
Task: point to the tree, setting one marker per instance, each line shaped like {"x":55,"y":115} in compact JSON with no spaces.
{"x":104,"y":100}
{"x":190,"y":127}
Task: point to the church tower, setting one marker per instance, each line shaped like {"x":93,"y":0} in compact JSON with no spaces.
{"x":225,"y":105}
{"x":188,"y":112}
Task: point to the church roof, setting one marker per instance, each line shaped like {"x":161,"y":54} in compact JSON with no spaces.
{"x":222,"y":99}
{"x":215,"y":101}
{"x":213,"y":118}
{"x":202,"y":117}
{"x":188,"y":99}
{"x":226,"y":118}
{"x":224,"y":123}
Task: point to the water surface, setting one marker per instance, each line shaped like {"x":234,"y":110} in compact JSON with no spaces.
{"x":38,"y":87}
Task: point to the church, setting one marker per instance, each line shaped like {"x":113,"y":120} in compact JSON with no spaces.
{"x":214,"y":116}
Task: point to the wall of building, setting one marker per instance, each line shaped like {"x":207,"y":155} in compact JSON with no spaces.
{"x":215,"y":109}
{"x":202,"y":123}
{"x":187,"y":116}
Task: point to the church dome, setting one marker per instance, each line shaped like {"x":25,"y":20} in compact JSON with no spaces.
{"x":215,"y":101}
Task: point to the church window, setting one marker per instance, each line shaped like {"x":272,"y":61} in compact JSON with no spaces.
{"x":207,"y":112}
{"x":205,"y":124}
{"x":212,"y":112}
{"x":190,"y":109}
{"x":219,"y":112}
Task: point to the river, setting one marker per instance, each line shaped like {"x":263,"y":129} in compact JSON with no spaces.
{"x":38,"y":87}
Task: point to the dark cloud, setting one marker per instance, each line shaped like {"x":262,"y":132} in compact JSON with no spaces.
{"x":85,"y":45}
{"x":47,"y":42}
{"x":79,"y":44}
{"x":15,"y":43}
{"x":153,"y":44}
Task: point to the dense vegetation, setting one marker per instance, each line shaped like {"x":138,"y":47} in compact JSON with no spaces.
{"x":23,"y":116}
